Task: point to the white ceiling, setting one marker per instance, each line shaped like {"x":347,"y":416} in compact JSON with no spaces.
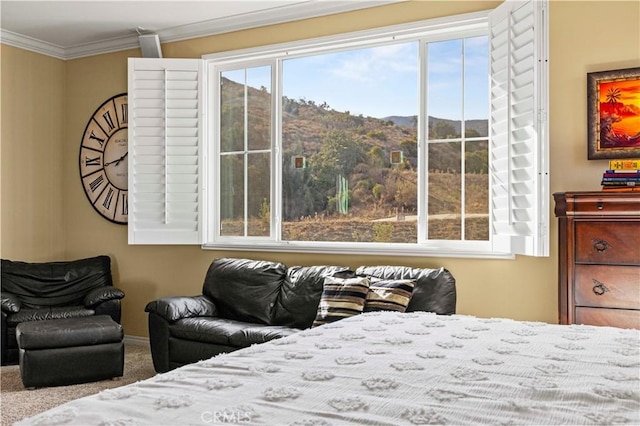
{"x":76,"y":28}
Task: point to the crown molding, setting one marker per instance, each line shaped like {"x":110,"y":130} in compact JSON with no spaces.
{"x":306,"y":10}
{"x":27,"y":43}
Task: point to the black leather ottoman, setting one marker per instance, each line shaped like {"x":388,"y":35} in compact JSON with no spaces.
{"x":69,"y":351}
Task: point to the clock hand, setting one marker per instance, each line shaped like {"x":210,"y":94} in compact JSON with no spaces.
{"x":122,"y":158}
{"x":117,"y":161}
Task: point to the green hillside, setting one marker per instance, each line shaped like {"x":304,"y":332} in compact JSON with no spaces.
{"x":348,"y":173}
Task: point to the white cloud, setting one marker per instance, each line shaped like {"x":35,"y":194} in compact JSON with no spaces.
{"x":374,"y":65}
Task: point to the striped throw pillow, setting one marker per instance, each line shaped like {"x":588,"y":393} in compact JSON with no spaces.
{"x":341,"y":298}
{"x":389,"y":295}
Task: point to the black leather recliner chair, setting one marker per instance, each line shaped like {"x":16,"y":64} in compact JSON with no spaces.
{"x":54,"y":290}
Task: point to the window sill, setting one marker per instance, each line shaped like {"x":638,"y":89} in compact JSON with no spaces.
{"x":435,"y":250}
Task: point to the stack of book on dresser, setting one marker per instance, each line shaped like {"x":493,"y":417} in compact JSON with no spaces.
{"x":622,"y":176}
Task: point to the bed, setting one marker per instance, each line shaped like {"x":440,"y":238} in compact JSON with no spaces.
{"x":387,"y":368}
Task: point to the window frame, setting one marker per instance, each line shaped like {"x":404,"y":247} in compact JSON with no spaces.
{"x":459,"y":26}
{"x":455,"y":27}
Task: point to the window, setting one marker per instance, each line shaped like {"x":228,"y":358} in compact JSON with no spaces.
{"x":243,"y":181}
{"x":426,"y":138}
{"x":457,"y":112}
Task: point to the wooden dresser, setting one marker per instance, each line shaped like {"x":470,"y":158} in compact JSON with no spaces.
{"x":599,"y":258}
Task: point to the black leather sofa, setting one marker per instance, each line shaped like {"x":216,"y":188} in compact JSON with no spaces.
{"x":54,"y":290}
{"x":244,"y":302}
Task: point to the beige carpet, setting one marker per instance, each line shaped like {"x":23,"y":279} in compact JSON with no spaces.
{"x":16,"y":402}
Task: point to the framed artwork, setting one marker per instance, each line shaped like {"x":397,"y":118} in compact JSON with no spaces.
{"x":613,"y":99}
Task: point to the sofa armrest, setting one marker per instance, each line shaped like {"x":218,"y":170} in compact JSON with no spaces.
{"x":10,"y":302}
{"x":175,"y":308}
{"x":102,"y":294}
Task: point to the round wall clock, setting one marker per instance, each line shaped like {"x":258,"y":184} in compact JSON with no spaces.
{"x":103,"y":159}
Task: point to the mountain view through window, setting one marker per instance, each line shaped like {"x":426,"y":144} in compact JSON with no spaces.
{"x":348,"y":137}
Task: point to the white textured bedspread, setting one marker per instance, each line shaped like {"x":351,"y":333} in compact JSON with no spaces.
{"x":392,"y":369}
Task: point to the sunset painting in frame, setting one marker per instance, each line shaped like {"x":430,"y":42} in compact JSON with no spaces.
{"x":614,"y":113}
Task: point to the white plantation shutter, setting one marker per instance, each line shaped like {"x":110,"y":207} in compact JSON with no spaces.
{"x":165,"y":151}
{"x":519,"y":128}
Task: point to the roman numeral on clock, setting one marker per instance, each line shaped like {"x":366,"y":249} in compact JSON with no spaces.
{"x":92,"y":161}
{"x":109,"y":121}
{"x":95,"y":184}
{"x":93,"y":136}
{"x":124,"y":203}
{"x":107,"y":200}
{"x":124,"y":113}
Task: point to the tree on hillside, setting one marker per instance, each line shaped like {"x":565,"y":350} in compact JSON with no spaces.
{"x":442,"y":130}
{"x":339,"y":155}
{"x":409,"y":148}
{"x":377,"y":157}
{"x":297,"y":187}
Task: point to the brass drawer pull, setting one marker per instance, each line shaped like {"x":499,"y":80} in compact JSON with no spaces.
{"x":599,"y":288}
{"x":600,"y":245}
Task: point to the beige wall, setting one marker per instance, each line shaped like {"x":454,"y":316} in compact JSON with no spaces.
{"x":525,"y":288}
{"x":32,"y":147}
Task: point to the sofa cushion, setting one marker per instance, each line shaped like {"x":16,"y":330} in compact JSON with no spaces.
{"x":39,"y":285}
{"x":341,"y":298}
{"x":389,"y":295}
{"x":48,"y":314}
{"x":300,"y":293}
{"x":244,"y":290}
{"x":435,"y":289}
{"x":226,"y":332}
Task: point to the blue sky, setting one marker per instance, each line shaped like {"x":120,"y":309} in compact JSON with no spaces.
{"x":383,"y":81}
{"x":375,"y":82}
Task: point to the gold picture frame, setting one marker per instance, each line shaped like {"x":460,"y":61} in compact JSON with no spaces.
{"x":613,"y":99}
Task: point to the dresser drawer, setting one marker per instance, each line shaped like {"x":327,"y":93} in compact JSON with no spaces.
{"x":607,"y":286}
{"x":610,"y":205}
{"x":622,"y":318}
{"x":607,"y":242}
